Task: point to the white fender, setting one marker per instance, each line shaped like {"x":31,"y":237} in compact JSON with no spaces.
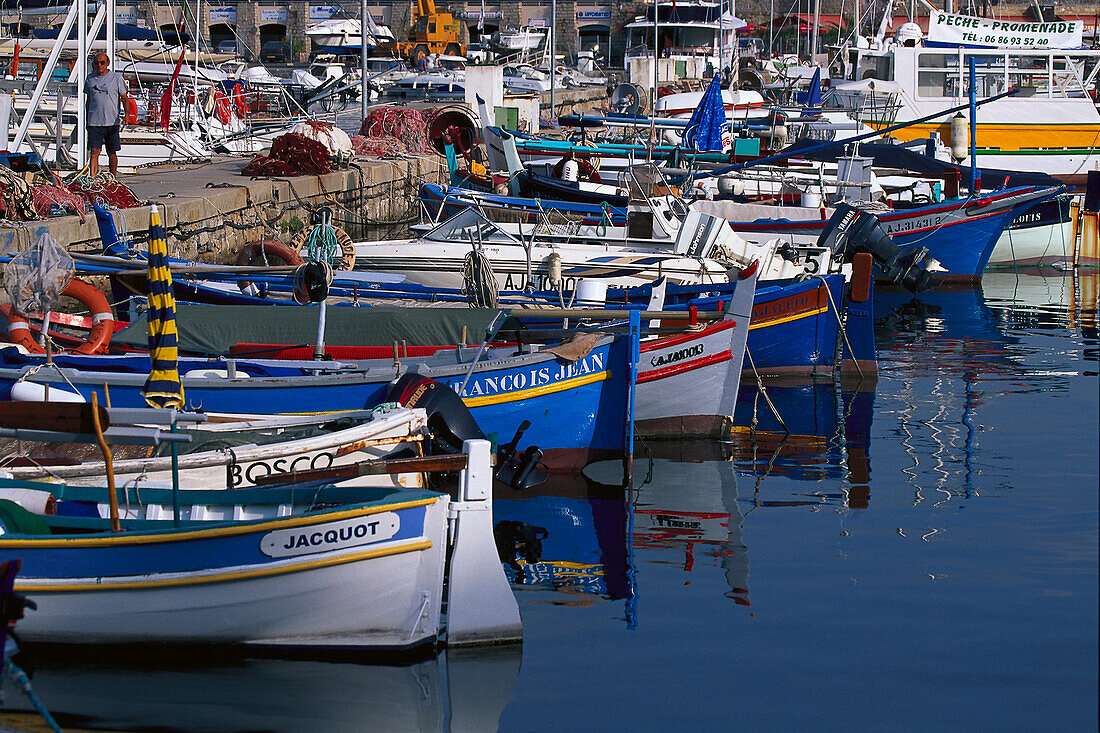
{"x":34,"y":392}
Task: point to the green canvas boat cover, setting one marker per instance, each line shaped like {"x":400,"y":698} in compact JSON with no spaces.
{"x":211,"y":330}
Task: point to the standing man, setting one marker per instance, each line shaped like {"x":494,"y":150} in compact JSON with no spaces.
{"x":106,"y":91}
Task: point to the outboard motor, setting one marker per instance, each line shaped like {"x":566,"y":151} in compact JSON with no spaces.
{"x":451,"y":423}
{"x":851,"y":230}
{"x":448,"y":417}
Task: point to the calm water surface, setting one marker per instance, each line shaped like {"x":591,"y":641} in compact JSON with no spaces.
{"x":920,"y":555}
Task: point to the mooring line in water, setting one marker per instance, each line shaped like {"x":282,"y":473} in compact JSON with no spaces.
{"x":761,"y":390}
{"x":21,"y":679}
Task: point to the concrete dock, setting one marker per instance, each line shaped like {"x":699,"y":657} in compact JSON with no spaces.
{"x":210,"y":210}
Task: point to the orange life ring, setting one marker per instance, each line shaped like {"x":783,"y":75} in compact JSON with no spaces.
{"x":222,"y":110}
{"x":258,"y":253}
{"x":103,"y":323}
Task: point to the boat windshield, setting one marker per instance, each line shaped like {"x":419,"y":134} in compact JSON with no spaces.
{"x":470,"y":225}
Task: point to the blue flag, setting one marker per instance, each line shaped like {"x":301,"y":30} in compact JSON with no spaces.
{"x":708,"y":129}
{"x":162,"y":388}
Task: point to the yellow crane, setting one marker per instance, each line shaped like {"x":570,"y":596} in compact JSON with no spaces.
{"x":432,"y":31}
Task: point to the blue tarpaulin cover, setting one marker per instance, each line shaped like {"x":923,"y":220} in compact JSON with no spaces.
{"x":708,"y":129}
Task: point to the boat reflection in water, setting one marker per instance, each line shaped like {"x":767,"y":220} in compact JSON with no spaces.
{"x":578,"y":541}
{"x":456,"y":690}
{"x":817,"y":432}
{"x":953,"y":351}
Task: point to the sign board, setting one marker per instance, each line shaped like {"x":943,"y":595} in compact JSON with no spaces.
{"x":273,"y":15}
{"x":126,"y":16}
{"x":966,"y":30}
{"x":593,"y":15}
{"x":323,"y":12}
{"x":223,"y":15}
{"x":538,"y":23}
{"x":478,"y":15}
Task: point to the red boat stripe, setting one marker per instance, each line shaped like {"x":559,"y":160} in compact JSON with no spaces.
{"x":676,"y":340}
{"x":684,"y":366}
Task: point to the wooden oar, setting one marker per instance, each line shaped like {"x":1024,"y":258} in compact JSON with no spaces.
{"x":427,"y":464}
{"x":63,"y":417}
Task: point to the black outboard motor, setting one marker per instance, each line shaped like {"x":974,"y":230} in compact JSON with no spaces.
{"x":448,"y":418}
{"x":451,"y":423}
{"x":850,"y":231}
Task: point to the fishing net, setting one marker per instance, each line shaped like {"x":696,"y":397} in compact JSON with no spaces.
{"x":332,"y":137}
{"x":105,"y":190}
{"x":393,"y":130}
{"x":292,"y":154}
{"x":50,"y":200}
{"x":36,"y":277}
{"x":16,"y":201}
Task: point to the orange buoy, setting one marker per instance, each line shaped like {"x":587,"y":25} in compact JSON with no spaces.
{"x":103,"y":324}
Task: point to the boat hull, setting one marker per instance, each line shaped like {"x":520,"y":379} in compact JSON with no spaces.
{"x":1042,"y":236}
{"x":241,"y":584}
{"x":577,"y":410}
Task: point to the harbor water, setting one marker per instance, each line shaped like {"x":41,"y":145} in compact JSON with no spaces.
{"x":917,"y":554}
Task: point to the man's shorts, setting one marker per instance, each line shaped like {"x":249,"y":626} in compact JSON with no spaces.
{"x":104,"y":137}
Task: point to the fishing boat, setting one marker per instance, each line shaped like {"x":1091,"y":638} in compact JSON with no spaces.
{"x":437,"y":257}
{"x":1041,"y":236}
{"x":960,"y":234}
{"x":688,"y":31}
{"x":344,"y":36}
{"x":1051,"y":125}
{"x":370,"y":569}
{"x":233,"y":453}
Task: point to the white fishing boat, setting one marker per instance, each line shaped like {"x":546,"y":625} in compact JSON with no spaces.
{"x":517,"y":255}
{"x":234,"y":453}
{"x":1042,"y":236}
{"x":690,"y":30}
{"x":1051,"y":125}
{"x":319,"y":566}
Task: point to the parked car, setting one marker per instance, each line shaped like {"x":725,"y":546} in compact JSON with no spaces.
{"x":275,"y":52}
{"x":229,"y":46}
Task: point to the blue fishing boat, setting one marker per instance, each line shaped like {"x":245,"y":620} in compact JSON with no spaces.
{"x":960,"y":234}
{"x":322,"y":567}
{"x":577,"y":408}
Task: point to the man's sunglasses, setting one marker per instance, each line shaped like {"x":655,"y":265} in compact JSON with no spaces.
{"x":101,"y":62}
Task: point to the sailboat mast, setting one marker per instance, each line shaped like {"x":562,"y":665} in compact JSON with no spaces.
{"x":553,"y":53}
{"x":365,"y":99}
{"x":813,"y":33}
{"x":656,"y":52}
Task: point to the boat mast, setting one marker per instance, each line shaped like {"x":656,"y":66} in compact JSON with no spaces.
{"x":365,"y":102}
{"x":112,"y":31}
{"x":81,"y":77}
{"x":195,"y":71}
{"x":813,"y":32}
{"x":656,"y":52}
{"x":553,"y":55}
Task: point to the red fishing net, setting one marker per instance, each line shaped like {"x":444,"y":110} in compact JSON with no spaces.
{"x":105,"y":191}
{"x":393,"y":131}
{"x":291,"y":155}
{"x":47,"y":196}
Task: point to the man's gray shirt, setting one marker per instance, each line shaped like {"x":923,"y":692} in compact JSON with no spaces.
{"x":104,"y":98}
